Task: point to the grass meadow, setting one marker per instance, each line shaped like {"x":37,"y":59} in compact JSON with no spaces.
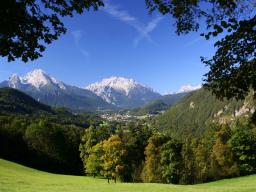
{"x":18,"y":178}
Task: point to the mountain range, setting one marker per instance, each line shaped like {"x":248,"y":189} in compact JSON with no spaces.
{"x":110,"y":93}
{"x":48,"y":90}
{"x":123,"y":92}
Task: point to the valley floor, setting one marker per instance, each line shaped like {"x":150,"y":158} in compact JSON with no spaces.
{"x":14,"y":177}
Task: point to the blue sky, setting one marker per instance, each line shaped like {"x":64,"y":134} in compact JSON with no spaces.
{"x":121,"y":39}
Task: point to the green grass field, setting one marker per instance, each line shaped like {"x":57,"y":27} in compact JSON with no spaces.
{"x":14,"y":177}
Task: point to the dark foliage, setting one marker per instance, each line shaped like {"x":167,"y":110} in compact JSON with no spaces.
{"x":14,"y":101}
{"x":28,"y":25}
{"x":36,"y":135}
{"x":232,"y":68}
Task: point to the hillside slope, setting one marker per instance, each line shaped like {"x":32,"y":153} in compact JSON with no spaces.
{"x":38,"y":136}
{"x":14,"y":101}
{"x":191,"y":114}
{"x":159,"y":105}
{"x":14,"y":177}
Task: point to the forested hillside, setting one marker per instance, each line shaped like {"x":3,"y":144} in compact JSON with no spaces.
{"x":14,"y":101}
{"x":159,"y":105}
{"x":37,"y":135}
{"x":193,"y":112}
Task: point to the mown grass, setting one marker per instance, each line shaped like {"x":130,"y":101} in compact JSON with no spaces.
{"x":17,"y":178}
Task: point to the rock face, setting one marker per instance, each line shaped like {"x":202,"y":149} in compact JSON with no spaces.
{"x":123,"y":92}
{"x":48,"y":90}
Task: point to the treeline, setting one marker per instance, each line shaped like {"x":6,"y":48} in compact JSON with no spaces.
{"x":48,"y":142}
{"x":133,"y":152}
{"x":225,"y":151}
{"x":58,"y":141}
{"x":139,"y":153}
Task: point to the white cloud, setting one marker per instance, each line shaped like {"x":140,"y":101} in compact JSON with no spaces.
{"x":124,"y":16}
{"x":188,"y":88}
{"x":144,"y":33}
{"x":117,"y":13}
{"x":77,"y":34}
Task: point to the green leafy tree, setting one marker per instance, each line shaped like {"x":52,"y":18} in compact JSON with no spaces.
{"x":28,"y":25}
{"x":243,"y":146}
{"x":202,"y":167}
{"x":54,"y":144}
{"x":188,"y":175}
{"x":225,"y":165}
{"x":171,"y":161}
{"x":94,"y":160}
{"x":152,"y":171}
{"x":232,"y":68}
{"x":92,"y":136}
{"x":87,"y":142}
{"x":135,"y":140}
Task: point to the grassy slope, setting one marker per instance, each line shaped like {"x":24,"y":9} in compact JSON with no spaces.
{"x":14,"y":177}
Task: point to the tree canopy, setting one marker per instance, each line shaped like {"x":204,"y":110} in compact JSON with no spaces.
{"x":28,"y":25}
{"x":232,"y":69}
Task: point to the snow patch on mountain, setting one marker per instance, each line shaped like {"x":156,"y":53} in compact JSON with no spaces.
{"x":123,"y":92}
{"x":14,"y":80}
{"x":37,"y":79}
{"x":49,"y":90}
{"x":120,"y":84}
{"x":188,"y":88}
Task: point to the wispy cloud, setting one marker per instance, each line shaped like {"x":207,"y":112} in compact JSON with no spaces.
{"x":144,"y":30}
{"x":77,"y":35}
{"x":118,"y":13}
{"x":200,"y":39}
{"x":193,"y":41}
{"x":84,"y":52}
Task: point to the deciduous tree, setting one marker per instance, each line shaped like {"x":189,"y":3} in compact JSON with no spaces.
{"x":232,"y":68}
{"x":152,"y":172}
{"x":114,"y":152}
{"x":94,"y":162}
{"x":171,"y":161}
{"x":27,"y":26}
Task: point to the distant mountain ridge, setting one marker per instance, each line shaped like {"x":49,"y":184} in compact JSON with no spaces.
{"x":160,"y":105}
{"x":110,"y":93}
{"x":50,"y":91}
{"x":123,"y":92}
